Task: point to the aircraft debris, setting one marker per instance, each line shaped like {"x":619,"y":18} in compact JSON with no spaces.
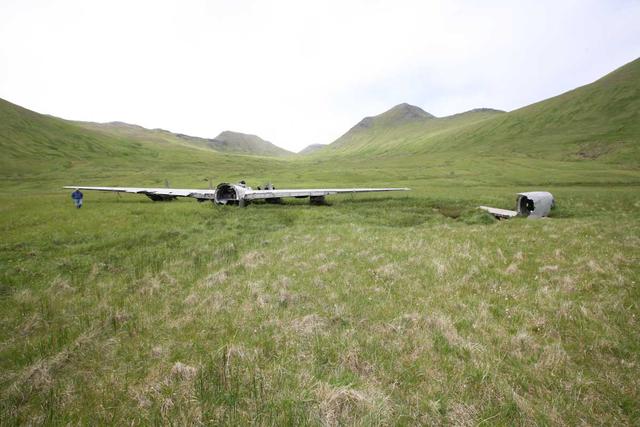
{"x":237,"y":194}
{"x":533,"y":204}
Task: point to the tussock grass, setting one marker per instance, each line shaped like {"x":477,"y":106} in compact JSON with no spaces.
{"x":191,"y":314}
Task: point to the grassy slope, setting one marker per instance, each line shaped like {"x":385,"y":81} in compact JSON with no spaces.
{"x":599,"y":120}
{"x":311,"y":148}
{"x":413,"y":309}
{"x":392,"y":131}
{"x":46,"y":152}
{"x":33,"y":143}
{"x":242,"y":142}
{"x":226,"y":142}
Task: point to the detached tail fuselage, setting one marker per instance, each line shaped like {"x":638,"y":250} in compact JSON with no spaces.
{"x":533,"y":204}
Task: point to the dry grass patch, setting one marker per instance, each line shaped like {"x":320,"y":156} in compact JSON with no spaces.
{"x":548,"y":269}
{"x":158,"y":351}
{"x":308,"y":325}
{"x":385,"y":273}
{"x":351,"y":360}
{"x":568,"y":283}
{"x":286,"y":298}
{"x":39,"y":376}
{"x":31,"y":324}
{"x":405,"y":322}
{"x":24,"y":297}
{"x":183,"y":372}
{"x":523,"y":345}
{"x":346,"y":405}
{"x":215,"y":279}
{"x":234,"y":352}
{"x":326,"y":267}
{"x":252,"y":259}
{"x":594,"y":266}
{"x":463,"y":415}
{"x":553,"y":358}
{"x":440,"y":266}
{"x":153,"y":284}
{"x":512,"y":268}
{"x":192,"y":299}
{"x":60,"y":286}
{"x":261,"y":298}
{"x":445,"y":326}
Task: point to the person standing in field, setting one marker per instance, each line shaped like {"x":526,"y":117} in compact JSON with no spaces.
{"x":77,"y":198}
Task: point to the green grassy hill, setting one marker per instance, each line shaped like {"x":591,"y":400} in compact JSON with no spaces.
{"x":38,"y":148}
{"x":43,"y":150}
{"x":311,"y":148}
{"x":226,"y":142}
{"x":599,"y":120}
{"x":403,"y":128}
{"x":35,"y":143}
{"x":242,"y":143}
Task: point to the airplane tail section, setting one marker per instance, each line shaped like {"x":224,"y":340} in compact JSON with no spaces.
{"x":532,"y":204}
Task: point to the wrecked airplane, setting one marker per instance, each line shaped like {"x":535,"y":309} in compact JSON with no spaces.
{"x":237,"y":194}
{"x":533,"y":204}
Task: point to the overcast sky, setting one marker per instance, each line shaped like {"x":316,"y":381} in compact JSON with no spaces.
{"x":300,"y":72}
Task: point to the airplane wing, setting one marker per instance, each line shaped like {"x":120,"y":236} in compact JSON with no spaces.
{"x":166,"y":193}
{"x":499,"y":213}
{"x":311,"y":192}
{"x":233,"y":193}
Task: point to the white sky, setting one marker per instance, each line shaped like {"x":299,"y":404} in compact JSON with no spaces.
{"x":300,"y":72}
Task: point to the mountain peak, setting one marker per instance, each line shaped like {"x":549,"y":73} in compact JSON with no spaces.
{"x":409,"y":112}
{"x":400,"y":114}
{"x":231,"y":134}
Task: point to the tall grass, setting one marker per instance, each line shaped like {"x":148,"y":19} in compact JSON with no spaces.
{"x":369,"y":311}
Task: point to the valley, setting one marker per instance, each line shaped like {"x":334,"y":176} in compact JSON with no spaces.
{"x":409,"y":308}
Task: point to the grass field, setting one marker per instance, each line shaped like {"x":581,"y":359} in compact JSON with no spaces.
{"x":404,"y":309}
{"x":413,"y":309}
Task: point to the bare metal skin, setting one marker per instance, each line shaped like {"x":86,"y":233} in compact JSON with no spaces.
{"x":533,"y":204}
{"x":237,"y":194}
